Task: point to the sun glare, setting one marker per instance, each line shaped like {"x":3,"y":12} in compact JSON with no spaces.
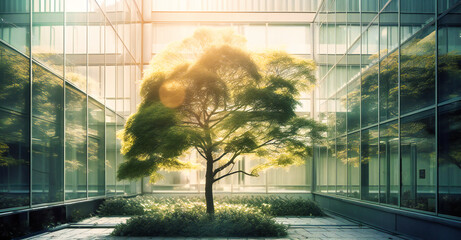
{"x":172,"y":94}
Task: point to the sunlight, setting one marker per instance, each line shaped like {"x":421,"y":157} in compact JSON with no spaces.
{"x":172,"y":94}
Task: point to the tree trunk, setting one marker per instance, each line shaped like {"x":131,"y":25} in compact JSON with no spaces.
{"x":209,"y":187}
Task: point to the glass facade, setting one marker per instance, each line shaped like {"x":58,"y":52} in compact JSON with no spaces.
{"x":57,"y":112}
{"x":397,"y":102}
{"x":389,"y":91}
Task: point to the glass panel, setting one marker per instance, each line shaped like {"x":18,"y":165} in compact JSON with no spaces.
{"x":14,"y":80}
{"x":341,"y":166}
{"x":353,"y":164}
{"x":76,"y":42}
{"x":331,"y":167}
{"x":445,"y":4}
{"x":110,"y":153}
{"x":389,"y":170}
{"x":449,"y":159}
{"x":164,"y":34}
{"x":353,"y":105}
{"x":418,"y":161}
{"x":48,"y":33}
{"x":14,"y":128}
{"x":110,"y":61}
{"x":15,"y":24}
{"x":256,"y":37}
{"x":418,"y":71}
{"x":449,"y":55}
{"x":369,"y":11}
{"x":76,"y":132}
{"x":120,"y":184}
{"x":96,"y":138}
{"x":47,"y":137}
{"x":370,"y":165}
{"x":370,"y":56}
{"x":297,"y":43}
{"x":14,"y":160}
{"x":388,"y":72}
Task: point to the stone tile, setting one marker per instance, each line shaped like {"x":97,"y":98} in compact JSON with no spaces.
{"x":300,"y":228}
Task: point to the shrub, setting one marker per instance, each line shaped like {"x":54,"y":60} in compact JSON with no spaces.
{"x":191,"y":220}
{"x":279,"y":206}
{"x":121,"y":207}
{"x":272,"y":205}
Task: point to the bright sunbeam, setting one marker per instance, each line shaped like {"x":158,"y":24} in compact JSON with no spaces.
{"x":172,"y":94}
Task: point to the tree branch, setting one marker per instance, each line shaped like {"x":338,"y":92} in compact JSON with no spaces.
{"x":201,"y":154}
{"x":226,"y":164}
{"x":226,"y":175}
{"x":219,"y":158}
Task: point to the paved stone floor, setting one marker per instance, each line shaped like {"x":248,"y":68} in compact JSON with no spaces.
{"x":331,"y":227}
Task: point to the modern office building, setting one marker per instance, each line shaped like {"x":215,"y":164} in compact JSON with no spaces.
{"x":389,"y":90}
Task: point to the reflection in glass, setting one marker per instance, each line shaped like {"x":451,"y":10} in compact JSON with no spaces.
{"x":418,"y":161}
{"x":370,"y":165}
{"x":120,"y":184}
{"x":353,"y":105}
{"x":75,"y":156}
{"x":449,"y":153}
{"x":389,"y":169}
{"x":96,"y":137}
{"x":369,"y":86}
{"x":47,"y":137}
{"x":14,"y":159}
{"x":110,"y":161}
{"x":48,"y":33}
{"x":76,"y":41}
{"x":14,"y":80}
{"x":341,"y":112}
{"x":389,"y":54}
{"x":417,"y":69}
{"x":14,"y":129}
{"x":15,"y":24}
{"x":449,"y":56}
{"x":353,"y":164}
{"x":331,"y":167}
{"x":341,"y":166}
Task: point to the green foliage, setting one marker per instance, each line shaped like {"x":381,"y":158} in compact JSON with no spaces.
{"x":209,"y":94}
{"x":271,"y":205}
{"x":191,"y":220}
{"x":121,"y":207}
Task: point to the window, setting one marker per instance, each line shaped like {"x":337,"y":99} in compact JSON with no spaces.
{"x":369,"y":165}
{"x":418,"y":161}
{"x":96,"y":137}
{"x":449,"y":161}
{"x":389,"y":163}
{"x":353,"y":164}
{"x":449,"y":54}
{"x":47,"y":137}
{"x":75,"y":151}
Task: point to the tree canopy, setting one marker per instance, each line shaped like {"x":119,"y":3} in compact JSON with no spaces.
{"x":209,"y":94}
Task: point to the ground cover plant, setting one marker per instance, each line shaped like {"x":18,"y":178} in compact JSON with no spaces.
{"x":235,"y":216}
{"x":190,"y":220}
{"x":270,"y":205}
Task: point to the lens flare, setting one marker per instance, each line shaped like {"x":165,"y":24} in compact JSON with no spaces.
{"x":172,"y":94}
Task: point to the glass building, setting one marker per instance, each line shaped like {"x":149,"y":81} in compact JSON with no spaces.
{"x":389,"y":90}
{"x":68,"y":73}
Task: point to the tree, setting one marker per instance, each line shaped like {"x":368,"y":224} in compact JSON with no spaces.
{"x":207,"y":93}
